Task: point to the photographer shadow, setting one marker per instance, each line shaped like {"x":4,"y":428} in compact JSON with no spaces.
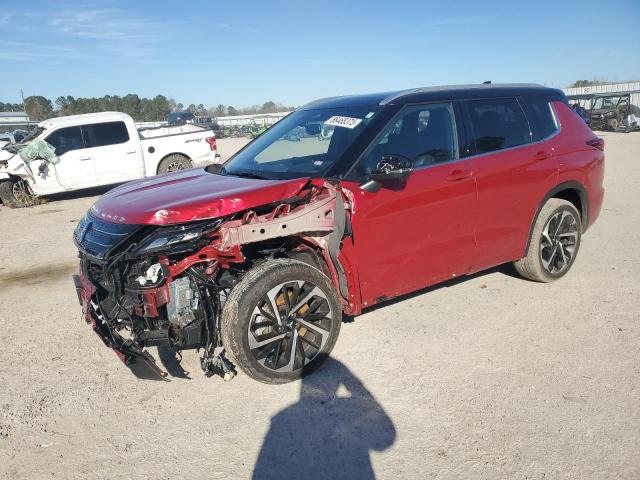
{"x":329,"y":432}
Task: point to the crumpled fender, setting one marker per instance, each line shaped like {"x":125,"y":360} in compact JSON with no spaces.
{"x":18,"y":168}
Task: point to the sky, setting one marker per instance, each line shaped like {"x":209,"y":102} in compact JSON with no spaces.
{"x":242,"y":53}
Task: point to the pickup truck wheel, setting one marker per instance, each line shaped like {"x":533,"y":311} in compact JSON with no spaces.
{"x":173,"y":163}
{"x":554,"y":243}
{"x":16,"y":193}
{"x":281,"y":321}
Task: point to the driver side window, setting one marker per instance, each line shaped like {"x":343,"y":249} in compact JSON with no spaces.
{"x":425,"y":134}
{"x":65,"y":140}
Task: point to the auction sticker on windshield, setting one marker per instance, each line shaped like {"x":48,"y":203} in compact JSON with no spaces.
{"x":346,"y":122}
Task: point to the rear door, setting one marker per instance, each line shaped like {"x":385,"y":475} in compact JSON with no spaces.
{"x":514,"y":164}
{"x":410,"y":234}
{"x":75,"y":168}
{"x":115,"y":153}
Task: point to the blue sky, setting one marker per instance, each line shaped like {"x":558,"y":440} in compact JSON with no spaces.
{"x":242,"y":53}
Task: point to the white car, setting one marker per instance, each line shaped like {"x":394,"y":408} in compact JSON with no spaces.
{"x":99,"y":149}
{"x":11,"y":137}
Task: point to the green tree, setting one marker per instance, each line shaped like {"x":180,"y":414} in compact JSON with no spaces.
{"x":268,"y":107}
{"x":232,"y":111}
{"x":38,"y":107}
{"x":220,"y":110}
{"x":588,"y":83}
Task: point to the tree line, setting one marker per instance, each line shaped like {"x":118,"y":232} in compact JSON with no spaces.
{"x":141,"y":109}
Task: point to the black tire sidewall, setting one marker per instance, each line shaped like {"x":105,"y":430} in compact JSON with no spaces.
{"x":245,"y":296}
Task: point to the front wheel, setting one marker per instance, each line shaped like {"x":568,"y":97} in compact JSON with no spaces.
{"x":554,"y":242}
{"x":16,"y":193}
{"x":281,"y":321}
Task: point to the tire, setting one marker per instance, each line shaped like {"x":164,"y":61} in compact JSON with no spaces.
{"x":174,"y":163}
{"x":248,"y":310}
{"x":554,"y":242}
{"x":16,"y":193}
{"x":613,"y":124}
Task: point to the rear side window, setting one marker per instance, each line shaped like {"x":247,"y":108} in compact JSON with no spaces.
{"x":541,"y":118}
{"x":65,"y":140}
{"x":108,"y":133}
{"x":497,"y":124}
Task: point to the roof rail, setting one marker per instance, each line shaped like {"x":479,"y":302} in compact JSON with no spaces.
{"x":403,"y":93}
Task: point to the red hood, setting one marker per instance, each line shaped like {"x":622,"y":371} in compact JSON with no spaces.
{"x":190,"y":195}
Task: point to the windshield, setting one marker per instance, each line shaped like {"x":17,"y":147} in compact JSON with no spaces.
{"x":306,"y":143}
{"x":15,"y":147}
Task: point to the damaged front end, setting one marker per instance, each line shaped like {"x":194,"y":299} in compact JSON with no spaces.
{"x":145,"y":285}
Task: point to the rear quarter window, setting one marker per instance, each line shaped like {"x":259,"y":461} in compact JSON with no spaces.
{"x":498,"y":123}
{"x":541,"y":117}
{"x":108,"y":133}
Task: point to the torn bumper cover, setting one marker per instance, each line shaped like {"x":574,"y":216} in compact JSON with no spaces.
{"x":141,"y":363}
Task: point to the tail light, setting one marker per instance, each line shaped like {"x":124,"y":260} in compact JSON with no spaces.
{"x":596,"y":142}
{"x":213,"y":143}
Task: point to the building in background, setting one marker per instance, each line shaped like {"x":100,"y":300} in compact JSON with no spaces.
{"x":583,"y":93}
{"x":10,"y":121}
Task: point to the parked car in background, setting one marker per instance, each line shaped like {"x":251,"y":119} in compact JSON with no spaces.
{"x":581,"y":111}
{"x":263,"y":255}
{"x":98,"y":149}
{"x":609,"y":111}
{"x":180,"y":118}
{"x":16,"y":136}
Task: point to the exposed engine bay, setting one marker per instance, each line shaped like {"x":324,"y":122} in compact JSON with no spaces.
{"x":149,"y":285}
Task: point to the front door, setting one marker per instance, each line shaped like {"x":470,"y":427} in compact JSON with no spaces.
{"x":411,"y":234}
{"x":75,"y":168}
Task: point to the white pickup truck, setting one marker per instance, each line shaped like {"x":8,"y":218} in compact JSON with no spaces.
{"x":99,"y":149}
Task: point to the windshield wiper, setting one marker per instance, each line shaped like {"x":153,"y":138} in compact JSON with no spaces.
{"x":243,"y":174}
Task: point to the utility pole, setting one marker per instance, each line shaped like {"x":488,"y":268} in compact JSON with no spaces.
{"x":24,"y":107}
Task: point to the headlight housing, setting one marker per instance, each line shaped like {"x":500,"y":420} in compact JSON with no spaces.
{"x":166,"y":237}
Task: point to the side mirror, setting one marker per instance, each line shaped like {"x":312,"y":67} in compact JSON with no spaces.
{"x":391,"y":169}
{"x":312,"y":129}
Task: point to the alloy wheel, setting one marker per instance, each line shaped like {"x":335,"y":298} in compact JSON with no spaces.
{"x":22,"y":193}
{"x":559,"y":242}
{"x":175,"y":166}
{"x":289,"y":326}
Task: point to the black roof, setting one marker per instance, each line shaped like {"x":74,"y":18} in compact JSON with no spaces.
{"x":429,"y":94}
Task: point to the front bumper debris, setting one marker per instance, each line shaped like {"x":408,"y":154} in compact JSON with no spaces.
{"x":140,"y":362}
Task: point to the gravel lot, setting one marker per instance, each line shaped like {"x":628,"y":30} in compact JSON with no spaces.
{"x":490,"y":376}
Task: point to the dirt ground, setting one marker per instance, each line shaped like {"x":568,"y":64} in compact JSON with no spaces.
{"x":490,"y":376}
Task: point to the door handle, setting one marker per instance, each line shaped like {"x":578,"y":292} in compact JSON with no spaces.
{"x":541,"y":155}
{"x":458,"y":175}
{"x":131,"y":152}
{"x":84,"y":159}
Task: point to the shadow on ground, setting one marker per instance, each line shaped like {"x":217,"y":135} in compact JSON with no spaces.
{"x":329,"y":432}
{"x":84,"y":193}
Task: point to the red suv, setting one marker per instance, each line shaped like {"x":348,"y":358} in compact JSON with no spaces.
{"x":345,"y":203}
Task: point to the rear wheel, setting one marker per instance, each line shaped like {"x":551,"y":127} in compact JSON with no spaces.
{"x":554,"y":243}
{"x":174,"y":163}
{"x":281,"y":321}
{"x":16,"y":193}
{"x":613,"y":124}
